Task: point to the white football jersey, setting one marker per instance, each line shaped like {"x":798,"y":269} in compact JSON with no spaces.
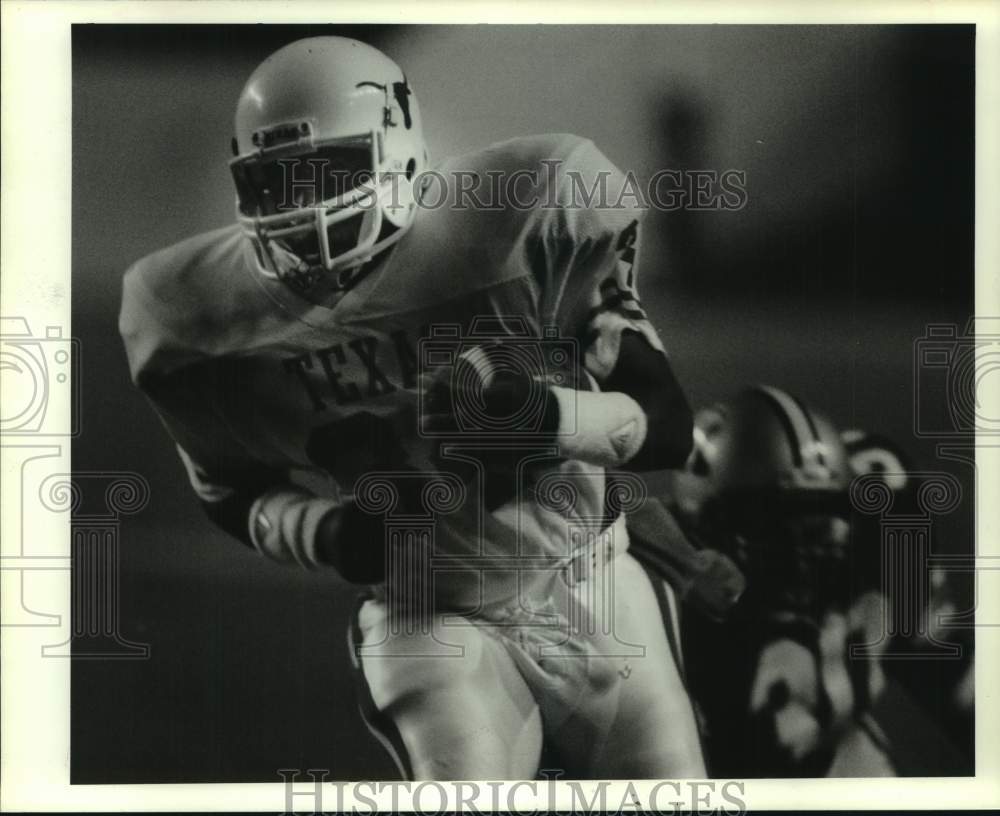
{"x":243,"y":370}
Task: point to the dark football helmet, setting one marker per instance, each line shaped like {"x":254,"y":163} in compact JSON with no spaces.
{"x":767,"y":483}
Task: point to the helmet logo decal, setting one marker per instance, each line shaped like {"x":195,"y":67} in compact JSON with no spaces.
{"x":401,"y":93}
{"x":401,"y":90}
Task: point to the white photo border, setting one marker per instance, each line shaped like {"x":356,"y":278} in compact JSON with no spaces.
{"x":37,"y":105}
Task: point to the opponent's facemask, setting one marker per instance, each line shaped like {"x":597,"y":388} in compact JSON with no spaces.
{"x":328,"y":143}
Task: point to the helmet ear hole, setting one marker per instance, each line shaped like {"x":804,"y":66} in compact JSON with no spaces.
{"x":234,"y":146}
{"x":411,"y":168}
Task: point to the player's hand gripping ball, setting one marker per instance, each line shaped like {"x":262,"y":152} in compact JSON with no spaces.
{"x":495,"y":419}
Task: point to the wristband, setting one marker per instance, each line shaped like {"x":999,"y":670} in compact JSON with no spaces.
{"x":284,"y":522}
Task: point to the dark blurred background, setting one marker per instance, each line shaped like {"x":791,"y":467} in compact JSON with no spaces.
{"x":857,"y":143}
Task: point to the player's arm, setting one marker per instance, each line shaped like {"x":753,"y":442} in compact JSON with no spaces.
{"x":254,"y":502}
{"x":640,"y":419}
{"x":263,"y":509}
{"x":290,"y":524}
{"x":257,"y":503}
{"x":585,"y":257}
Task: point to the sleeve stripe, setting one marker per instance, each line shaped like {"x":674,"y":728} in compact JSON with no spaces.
{"x":632,"y":314}
{"x":593,"y":334}
{"x":612,"y":285}
{"x":616,"y":304}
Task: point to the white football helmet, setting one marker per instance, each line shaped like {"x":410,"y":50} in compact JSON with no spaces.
{"x":328,"y":142}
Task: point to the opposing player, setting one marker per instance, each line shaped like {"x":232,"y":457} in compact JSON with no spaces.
{"x":421,"y":380}
{"x":780,"y":690}
{"x":767,"y":484}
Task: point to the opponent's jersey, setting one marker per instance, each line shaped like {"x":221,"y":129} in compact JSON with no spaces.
{"x":244,"y":371}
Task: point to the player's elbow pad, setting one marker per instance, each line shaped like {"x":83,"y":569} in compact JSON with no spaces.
{"x":613,"y":429}
{"x":600,"y":428}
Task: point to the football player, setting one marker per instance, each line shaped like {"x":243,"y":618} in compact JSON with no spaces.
{"x":777,"y":685}
{"x":421,"y":381}
{"x":766,"y":484}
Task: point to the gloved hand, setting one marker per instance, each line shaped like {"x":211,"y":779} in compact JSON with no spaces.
{"x":706,"y":579}
{"x":500,"y":426}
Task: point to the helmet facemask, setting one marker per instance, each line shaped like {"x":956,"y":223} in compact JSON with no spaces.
{"x":317,"y":211}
